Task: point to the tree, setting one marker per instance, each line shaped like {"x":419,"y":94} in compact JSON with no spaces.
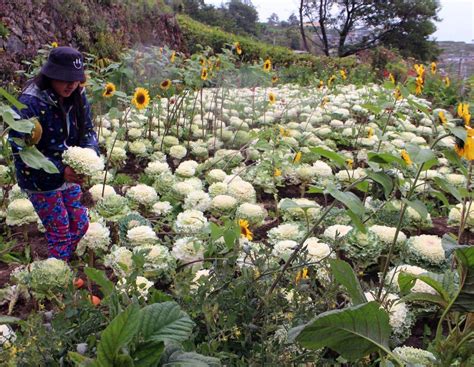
{"x":273,"y":20}
{"x":244,"y":14}
{"x":345,"y":27}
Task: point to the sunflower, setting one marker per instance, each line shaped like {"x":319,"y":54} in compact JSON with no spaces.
{"x":202,"y":61}
{"x":433,"y":68}
{"x":343,"y":74}
{"x":274,"y":79}
{"x":267,"y":65}
{"x":302,"y":274}
{"x":406,"y":157}
{"x":350,"y":163}
{"x":238,"y":49}
{"x":271,"y":97}
{"x":447,"y":81}
{"x":466,"y":148}
{"x":331,"y":79}
{"x":419,"y":85}
{"x":463,"y":112}
{"x":109,"y":90}
{"x":297,"y":157}
{"x":420,"y":70}
{"x":173,"y":56}
{"x":54,"y":44}
{"x":284,"y":132}
{"x":392,"y":78}
{"x":141,"y":98}
{"x":397,"y":94}
{"x":244,"y":229}
{"x":165,"y":84}
{"x":277,"y":172}
{"x":204,"y":73}
{"x":370,"y":133}
{"x":442,"y":117}
{"x":321,"y":84}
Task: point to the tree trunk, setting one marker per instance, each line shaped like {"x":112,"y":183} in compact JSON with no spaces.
{"x":303,"y":36}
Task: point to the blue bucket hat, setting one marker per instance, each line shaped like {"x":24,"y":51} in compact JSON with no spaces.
{"x":66,"y":64}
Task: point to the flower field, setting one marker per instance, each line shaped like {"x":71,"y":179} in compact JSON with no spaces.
{"x":241,"y":219}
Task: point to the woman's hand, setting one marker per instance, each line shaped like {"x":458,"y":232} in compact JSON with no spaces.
{"x":71,"y":176}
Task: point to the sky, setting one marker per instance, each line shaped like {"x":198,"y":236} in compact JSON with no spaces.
{"x":457,"y":16}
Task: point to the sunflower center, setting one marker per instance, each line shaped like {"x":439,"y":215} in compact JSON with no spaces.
{"x":141,"y":98}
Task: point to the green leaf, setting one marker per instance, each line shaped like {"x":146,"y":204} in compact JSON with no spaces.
{"x":356,"y":221}
{"x":384,"y":158}
{"x":441,"y":197}
{"x":175,"y":356}
{"x":418,"y":155}
{"x":336,"y":158}
{"x":314,"y":190}
{"x":459,"y":132}
{"x":22,"y":126}
{"x":450,"y":189}
{"x":425,"y":297}
{"x":350,"y":200}
{"x":345,"y":276}
{"x":8,"y":319}
{"x":453,"y":158}
{"x":362,"y":186}
{"x":419,"y":106}
{"x":165,"y":322}
{"x":35,"y":159}
{"x":353,"y":332}
{"x":119,"y":333}
{"x":375,"y":109}
{"x":216,"y":231}
{"x":148,"y":354}
{"x":79,"y":359}
{"x":465,"y":300}
{"x":418,"y":206}
{"x":406,"y":281}
{"x":12,"y":100}
{"x":99,"y":277}
{"x":290,"y":204}
{"x":384,"y":180}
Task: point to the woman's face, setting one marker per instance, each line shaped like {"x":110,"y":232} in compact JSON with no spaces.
{"x":64,"y":89}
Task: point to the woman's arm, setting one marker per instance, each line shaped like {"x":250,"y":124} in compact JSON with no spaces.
{"x":89,"y":139}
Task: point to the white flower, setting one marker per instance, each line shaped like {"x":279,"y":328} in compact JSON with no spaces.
{"x":242,"y":190}
{"x":419,"y":286}
{"x":216,"y":175}
{"x":198,"y":200}
{"x":397,"y":310}
{"x":187,"y":168}
{"x":387,"y":234}
{"x":155,"y":168}
{"x":96,"y":191}
{"x":139,"y":147}
{"x":143,"y":194}
{"x":96,"y":238}
{"x":254,"y":213}
{"x":188,"y":249}
{"x":316,"y":250}
{"x":178,"y":151}
{"x":223,"y":203}
{"x":201,"y":273}
{"x":161,"y":208}
{"x":141,"y":235}
{"x":7,"y":335}
{"x":218,"y":188}
{"x":322,"y":169}
{"x":286,"y":231}
{"x":83,"y":161}
{"x":427,"y":248}
{"x":190,"y":221}
{"x":183,"y":188}
{"x":20,"y":211}
{"x":337,"y":231}
{"x":306,"y":173}
{"x":283,"y":249}
{"x":415,"y":357}
{"x":142,"y":285}
{"x":118,"y":155}
{"x":456,"y":179}
{"x":158,"y":261}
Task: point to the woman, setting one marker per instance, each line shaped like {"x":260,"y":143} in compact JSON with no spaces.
{"x":56,"y":99}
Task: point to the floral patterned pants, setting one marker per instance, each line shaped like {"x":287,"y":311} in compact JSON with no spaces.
{"x":64,"y":218}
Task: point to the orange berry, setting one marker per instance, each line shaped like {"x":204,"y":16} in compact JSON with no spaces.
{"x":95,"y":300}
{"x":78,"y":283}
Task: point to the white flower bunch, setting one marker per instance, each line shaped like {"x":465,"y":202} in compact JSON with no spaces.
{"x":161,"y":208}
{"x":143,"y":194}
{"x":415,"y":357}
{"x":223,"y":204}
{"x":295,"y":209}
{"x":96,"y":191}
{"x":142,"y":286}
{"x":198,"y":200}
{"x":83,"y":161}
{"x":140,"y":147}
{"x":419,"y":286}
{"x":215,"y":175}
{"x":120,"y":260}
{"x":190,"y":221}
{"x":283,"y":249}
{"x":118,"y":156}
{"x":164,"y":182}
{"x":7,"y":336}
{"x":113,"y":207}
{"x":187,"y":168}
{"x":242,"y":190}
{"x":16,"y":193}
{"x":141,"y":235}
{"x":183,"y":189}
{"x":45,"y":277}
{"x":217,"y":188}
{"x":364,"y":247}
{"x":322,"y":169}
{"x":199,"y":277}
{"x":158,"y":261}
{"x":316,"y":249}
{"x":426,"y":250}
{"x":97,"y":238}
{"x":4,"y":174}
{"x":337,"y":231}
{"x":454,"y":217}
{"x":255,"y":214}
{"x":155,"y":168}
{"x":387,"y":234}
{"x":19,"y":212}
{"x":285,"y":231}
{"x":178,"y":152}
{"x":306,"y":173}
{"x":188,"y":249}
